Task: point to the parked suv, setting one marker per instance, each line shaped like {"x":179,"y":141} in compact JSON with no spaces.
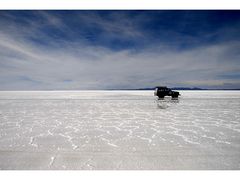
{"x":162,"y":91}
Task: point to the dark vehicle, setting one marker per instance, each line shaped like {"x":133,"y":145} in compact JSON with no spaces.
{"x":162,"y":91}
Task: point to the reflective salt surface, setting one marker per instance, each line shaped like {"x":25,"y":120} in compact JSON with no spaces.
{"x":119,"y":130}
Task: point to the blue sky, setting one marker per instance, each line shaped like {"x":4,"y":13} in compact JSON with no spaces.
{"x":71,"y":50}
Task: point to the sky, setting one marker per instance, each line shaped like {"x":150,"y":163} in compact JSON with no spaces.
{"x":91,"y":50}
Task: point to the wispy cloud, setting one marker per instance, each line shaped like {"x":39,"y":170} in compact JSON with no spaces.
{"x":31,"y":57}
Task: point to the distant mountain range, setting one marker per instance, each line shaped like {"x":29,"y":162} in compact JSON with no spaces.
{"x":176,"y":88}
{"x":187,"y":88}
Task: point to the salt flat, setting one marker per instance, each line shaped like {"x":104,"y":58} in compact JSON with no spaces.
{"x":119,"y":130}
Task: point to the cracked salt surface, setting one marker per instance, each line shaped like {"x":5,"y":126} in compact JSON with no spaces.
{"x":119,"y":130}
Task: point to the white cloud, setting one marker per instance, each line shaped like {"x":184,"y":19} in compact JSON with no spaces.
{"x":79,"y":66}
{"x":25,"y":64}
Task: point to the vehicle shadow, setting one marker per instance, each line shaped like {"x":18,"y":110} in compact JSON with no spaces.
{"x":166,"y":103}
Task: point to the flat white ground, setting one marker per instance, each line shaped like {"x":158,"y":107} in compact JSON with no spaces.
{"x":119,"y":130}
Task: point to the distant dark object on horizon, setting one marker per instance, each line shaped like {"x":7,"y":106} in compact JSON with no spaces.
{"x":162,"y":91}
